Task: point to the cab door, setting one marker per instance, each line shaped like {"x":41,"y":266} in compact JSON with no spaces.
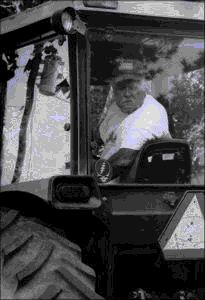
{"x":36,"y":106}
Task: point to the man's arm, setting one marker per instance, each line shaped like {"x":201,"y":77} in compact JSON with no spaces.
{"x":121,"y":160}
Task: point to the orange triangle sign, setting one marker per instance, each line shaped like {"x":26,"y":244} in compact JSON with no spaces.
{"x":183,"y":237}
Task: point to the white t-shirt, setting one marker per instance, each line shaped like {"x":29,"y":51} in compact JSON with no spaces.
{"x":120,"y":130}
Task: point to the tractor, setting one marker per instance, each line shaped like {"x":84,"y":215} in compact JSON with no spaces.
{"x":68,"y":229}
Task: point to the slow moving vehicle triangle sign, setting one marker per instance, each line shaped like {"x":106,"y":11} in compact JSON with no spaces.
{"x":189,"y":233}
{"x":183,"y":237}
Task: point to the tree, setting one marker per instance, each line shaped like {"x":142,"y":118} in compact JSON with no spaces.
{"x":187,"y":110}
{"x":3,"y":88}
{"x":11,"y":7}
{"x":7,"y":71}
{"x":34,"y":68}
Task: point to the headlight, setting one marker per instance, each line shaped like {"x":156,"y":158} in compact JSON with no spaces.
{"x":66,"y":21}
{"x":62,"y":22}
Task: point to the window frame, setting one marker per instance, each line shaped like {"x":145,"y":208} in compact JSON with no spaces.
{"x":141,"y":25}
{"x":14,"y":45}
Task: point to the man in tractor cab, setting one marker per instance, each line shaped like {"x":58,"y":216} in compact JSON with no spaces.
{"x":133,"y":118}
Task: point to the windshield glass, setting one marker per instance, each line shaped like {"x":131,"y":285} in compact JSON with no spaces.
{"x":36,"y":136}
{"x":145,"y":89}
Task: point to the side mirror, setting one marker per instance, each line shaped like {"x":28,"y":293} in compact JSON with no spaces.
{"x":74,"y":192}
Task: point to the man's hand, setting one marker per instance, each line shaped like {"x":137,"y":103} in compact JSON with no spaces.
{"x":96,"y":149}
{"x":122,"y":160}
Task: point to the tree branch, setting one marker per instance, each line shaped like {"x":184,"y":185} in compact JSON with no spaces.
{"x":15,"y":4}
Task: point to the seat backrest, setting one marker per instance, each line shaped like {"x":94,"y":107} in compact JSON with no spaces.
{"x":162,"y":161}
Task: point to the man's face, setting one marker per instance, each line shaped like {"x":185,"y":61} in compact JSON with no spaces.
{"x":129,"y":95}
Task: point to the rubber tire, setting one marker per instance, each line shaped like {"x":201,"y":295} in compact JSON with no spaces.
{"x":38,"y":263}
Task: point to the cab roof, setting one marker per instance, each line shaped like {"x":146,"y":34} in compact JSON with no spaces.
{"x":188,"y":10}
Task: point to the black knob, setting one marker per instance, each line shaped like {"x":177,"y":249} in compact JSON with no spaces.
{"x":67,"y":127}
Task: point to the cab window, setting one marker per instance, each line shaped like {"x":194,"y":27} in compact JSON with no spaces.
{"x":36,"y":137}
{"x":173,"y":74}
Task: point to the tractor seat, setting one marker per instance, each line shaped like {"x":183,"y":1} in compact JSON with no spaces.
{"x":161,"y":161}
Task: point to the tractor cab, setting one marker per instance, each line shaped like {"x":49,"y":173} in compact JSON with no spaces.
{"x":77,"y":55}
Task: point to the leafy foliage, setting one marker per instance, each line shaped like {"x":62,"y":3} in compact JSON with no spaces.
{"x":11,"y":7}
{"x":143,"y":52}
{"x":187,"y":67}
{"x":187,"y":110}
{"x":98,"y":96}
